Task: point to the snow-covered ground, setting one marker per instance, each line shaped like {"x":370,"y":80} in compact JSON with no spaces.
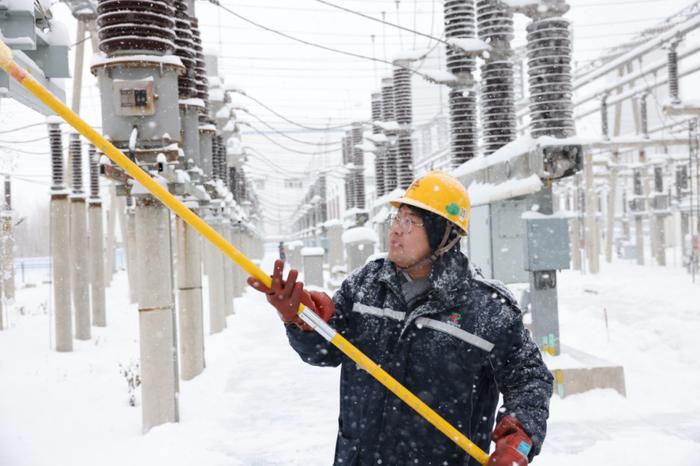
{"x":257,"y":404}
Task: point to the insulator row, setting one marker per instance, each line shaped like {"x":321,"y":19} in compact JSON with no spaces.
{"x":201,"y":81}
{"x":463,"y":128}
{"x":379,"y":170}
{"x":549,"y":64}
{"x":75,"y":150}
{"x":356,"y":140}
{"x":459,"y":23}
{"x":498,"y":105}
{"x":673,"y":87}
{"x":185,"y":49}
{"x":494,"y":21}
{"x":402,"y":96}
{"x":404,"y":164}
{"x":56,"y":146}
{"x":323,"y":194}
{"x":94,"y":162}
{"x":135,"y":27}
{"x":242,"y":187}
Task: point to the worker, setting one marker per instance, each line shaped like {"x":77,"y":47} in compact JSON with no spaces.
{"x":428,"y":317}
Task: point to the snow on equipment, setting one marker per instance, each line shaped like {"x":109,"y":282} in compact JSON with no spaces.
{"x":310,"y":318}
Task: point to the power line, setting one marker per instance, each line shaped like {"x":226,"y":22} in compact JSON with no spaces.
{"x":5,"y":131}
{"x":287,"y":119}
{"x":290,"y":137}
{"x":282,"y":146}
{"x":25,"y":141}
{"x":372,"y":18}
{"x":314,"y":44}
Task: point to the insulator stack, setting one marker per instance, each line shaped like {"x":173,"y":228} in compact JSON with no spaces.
{"x":402,"y":96}
{"x":673,"y":88}
{"x":223,"y":171}
{"x":75,"y":151}
{"x":243,"y":188}
{"x":404,"y":117}
{"x":201,"y":81}
{"x":379,"y":153}
{"x":349,"y":176}
{"x":94,"y":161}
{"x":185,"y":49}
{"x":135,"y":27}
{"x":232,"y":181}
{"x":56,"y":145}
{"x":604,"y":126}
{"x":215,"y":158}
{"x":644,"y":114}
{"x":391,"y":149}
{"x":459,"y":24}
{"x":358,"y":166}
{"x":376,"y":112}
{"x":549,"y":64}
{"x":463,"y":128}
{"x":495,"y":26}
{"x":323,"y":194}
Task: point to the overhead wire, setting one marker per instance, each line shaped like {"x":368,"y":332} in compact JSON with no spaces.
{"x":296,"y":151}
{"x":271,"y":110}
{"x":314,"y":44}
{"x":5,"y":131}
{"x":282,"y":133}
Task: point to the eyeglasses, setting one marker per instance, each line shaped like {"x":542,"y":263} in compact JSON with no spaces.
{"x":405,"y":223}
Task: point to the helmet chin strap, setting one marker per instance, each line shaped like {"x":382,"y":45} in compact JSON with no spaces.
{"x":442,"y":248}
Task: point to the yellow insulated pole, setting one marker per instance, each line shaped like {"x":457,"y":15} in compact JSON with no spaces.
{"x":393,"y":385}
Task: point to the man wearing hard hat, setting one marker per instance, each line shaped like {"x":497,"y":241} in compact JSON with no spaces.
{"x":431,"y":320}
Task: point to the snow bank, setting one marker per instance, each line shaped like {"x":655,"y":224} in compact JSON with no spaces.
{"x":358,"y":234}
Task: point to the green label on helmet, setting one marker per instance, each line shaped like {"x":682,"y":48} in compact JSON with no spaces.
{"x":452,"y":209}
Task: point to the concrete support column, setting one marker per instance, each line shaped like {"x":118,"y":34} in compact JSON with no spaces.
{"x":156,"y":314}
{"x":590,"y":221}
{"x":80,"y":282}
{"x":110,"y":241}
{"x":612,"y":203}
{"x":228,"y":270}
{"x":189,"y":296}
{"x":313,"y":266}
{"x":239,"y":277}
{"x":131,"y":254}
{"x":215,"y":275}
{"x":97,"y":267}
{"x":334,"y":233}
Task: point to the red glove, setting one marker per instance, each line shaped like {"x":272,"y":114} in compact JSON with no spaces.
{"x":285,"y":296}
{"x":512,"y":444}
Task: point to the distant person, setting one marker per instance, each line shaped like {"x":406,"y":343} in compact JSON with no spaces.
{"x":283,"y":253}
{"x":452,"y":337}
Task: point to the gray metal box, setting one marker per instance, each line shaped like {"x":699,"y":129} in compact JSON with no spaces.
{"x":546,"y":243}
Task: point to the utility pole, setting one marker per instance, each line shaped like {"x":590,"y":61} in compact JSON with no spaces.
{"x":96,"y":243}
{"x":78,"y":240}
{"x":60,"y":236}
{"x":8,"y":244}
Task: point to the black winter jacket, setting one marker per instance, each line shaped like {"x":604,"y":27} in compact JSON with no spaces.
{"x":459,"y":344}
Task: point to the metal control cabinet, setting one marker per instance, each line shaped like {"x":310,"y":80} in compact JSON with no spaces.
{"x":546,"y":243}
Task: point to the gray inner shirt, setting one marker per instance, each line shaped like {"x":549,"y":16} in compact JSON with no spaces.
{"x":412,"y":289}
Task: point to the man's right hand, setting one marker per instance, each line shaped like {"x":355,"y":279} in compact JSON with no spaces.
{"x":285,"y":296}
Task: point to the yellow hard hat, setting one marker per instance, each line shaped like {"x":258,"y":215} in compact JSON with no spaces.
{"x":441,"y":194}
